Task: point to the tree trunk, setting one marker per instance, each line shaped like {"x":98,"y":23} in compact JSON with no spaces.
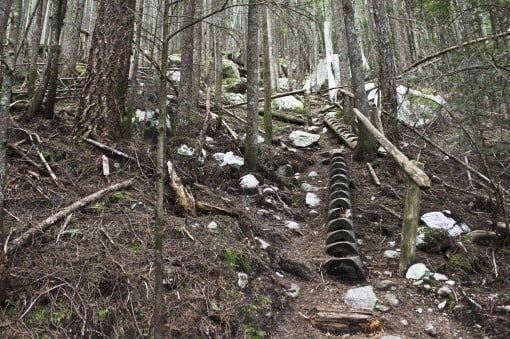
{"x":266,"y":75}
{"x":71,"y":39}
{"x":365,"y":151}
{"x":133,"y":71}
{"x":5,"y":10}
{"x":5,"y":100}
{"x":35,"y":43}
{"x":338,"y":14}
{"x":158,"y":320}
{"x":180,"y":124}
{"x":387,"y":72}
{"x":252,"y":92}
{"x":102,"y":112}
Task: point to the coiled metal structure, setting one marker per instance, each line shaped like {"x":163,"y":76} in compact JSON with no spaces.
{"x":341,"y":241}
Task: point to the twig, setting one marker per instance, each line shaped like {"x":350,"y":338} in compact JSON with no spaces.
{"x":110,"y":149}
{"x":45,"y":224}
{"x":373,"y":174}
{"x":187,"y":233}
{"x":392,"y":212}
{"x":18,"y":150}
{"x":41,"y":156}
{"x":62,"y":229}
{"x":230,"y":130}
{"x":494,"y":263}
{"x":183,"y":195}
{"x":467,"y":172}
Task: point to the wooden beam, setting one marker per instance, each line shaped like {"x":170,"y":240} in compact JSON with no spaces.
{"x":414,"y":173}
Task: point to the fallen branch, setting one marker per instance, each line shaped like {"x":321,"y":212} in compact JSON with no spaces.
{"x":373,"y":174}
{"x":44,"y":225}
{"x":279,"y":95}
{"x":110,"y":149}
{"x":392,"y":212}
{"x":415,"y":174}
{"x":183,"y":196}
{"x":285,"y":118}
{"x":22,"y":154}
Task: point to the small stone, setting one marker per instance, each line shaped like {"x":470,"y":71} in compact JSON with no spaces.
{"x":263,"y":244}
{"x":450,"y":283}
{"x":312,"y":174}
{"x":390,"y":254}
{"x":279,"y":274}
{"x":313,"y":213}
{"x":293,"y":291}
{"x":418,"y":282}
{"x":292,"y":225}
{"x":390,"y":337}
{"x":249,"y":182}
{"x":427,"y":287}
{"x":242,"y":279}
{"x":388,"y":273}
{"x":384,"y":285}
{"x":391,"y":299}
{"x":361,"y":297}
{"x":439,"y":277}
{"x":444,"y":291}
{"x":269,"y":191}
{"x":431,"y":330}
{"x":404,"y":322}
{"x":212,"y":225}
{"x":417,"y":271}
{"x":419,"y":310}
{"x":382,"y":308}
{"x":262,"y":212}
{"x":442,"y":305}
{"x":308,"y":188}
{"x":312,"y":200}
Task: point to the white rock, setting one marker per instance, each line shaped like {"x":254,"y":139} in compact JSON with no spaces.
{"x":444,"y":291}
{"x":417,"y":272}
{"x":312,"y":174}
{"x":361,"y":297}
{"x":440,"y":220}
{"x":242,"y":279}
{"x":442,"y":304}
{"x":229,"y":159}
{"x":312,"y":200}
{"x":293,"y":291}
{"x":439,"y":277}
{"x":288,"y":103}
{"x":450,"y":283}
{"x":391,"y":254}
{"x":303,"y":139}
{"x":212,"y":225}
{"x":292,"y":225}
{"x":308,"y":188}
{"x":404,"y":322}
{"x":185,"y":150}
{"x":263,"y":244}
{"x":234,"y":98}
{"x":249,"y":181}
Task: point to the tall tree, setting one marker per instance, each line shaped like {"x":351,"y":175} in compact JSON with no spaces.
{"x":186,"y":87}
{"x":35,"y":43}
{"x":365,"y":151}
{"x":47,"y":90}
{"x":157,"y":319}
{"x":5,"y":9}
{"x":266,"y":75}
{"x":71,"y":39}
{"x":5,"y":100}
{"x":252,"y":92}
{"x":386,"y":62}
{"x":102,"y":112}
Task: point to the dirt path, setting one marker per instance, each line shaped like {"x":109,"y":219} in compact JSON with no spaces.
{"x":416,"y":309}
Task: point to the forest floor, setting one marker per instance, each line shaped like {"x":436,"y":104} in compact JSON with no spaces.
{"x":91,"y":274}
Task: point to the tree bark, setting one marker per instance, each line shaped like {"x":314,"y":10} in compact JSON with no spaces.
{"x":5,"y":100}
{"x":159,"y":225}
{"x":101,"y":113}
{"x":387,"y":72}
{"x":186,"y":89}
{"x":5,"y":10}
{"x":267,"y":79}
{"x":71,"y":39}
{"x":252,"y":92}
{"x":35,"y":43}
{"x":365,"y":150}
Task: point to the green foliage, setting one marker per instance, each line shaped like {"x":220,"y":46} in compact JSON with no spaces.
{"x":81,"y":69}
{"x":99,"y":207}
{"x":118,"y":196}
{"x":236,"y":261}
{"x":254,"y":333}
{"x":48,"y":156}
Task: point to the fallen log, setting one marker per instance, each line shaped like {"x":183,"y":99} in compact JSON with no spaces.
{"x":338,"y":321}
{"x":45,"y":224}
{"x":414,"y":173}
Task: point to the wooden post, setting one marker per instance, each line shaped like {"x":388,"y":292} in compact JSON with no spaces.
{"x":410,"y":223}
{"x":307,"y":109}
